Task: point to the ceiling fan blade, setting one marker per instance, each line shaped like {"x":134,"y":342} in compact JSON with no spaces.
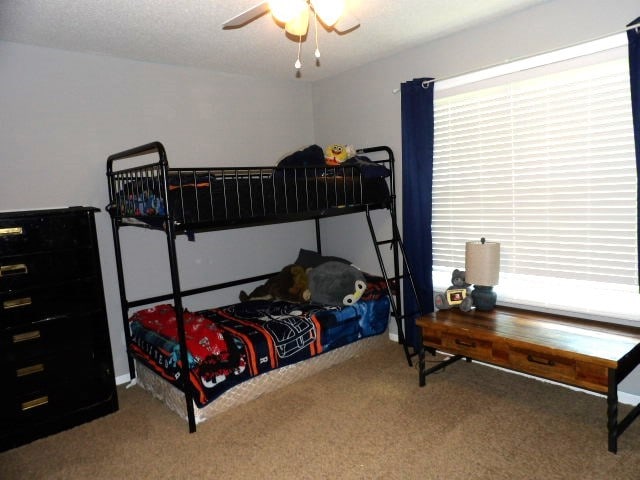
{"x":247,"y":16}
{"x":346,"y":23}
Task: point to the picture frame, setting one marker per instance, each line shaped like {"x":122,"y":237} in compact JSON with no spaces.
{"x":455,"y":296}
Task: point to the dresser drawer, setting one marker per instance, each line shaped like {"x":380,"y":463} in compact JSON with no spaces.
{"x":56,"y":383}
{"x":54,"y":402}
{"x":33,"y":233}
{"x":31,"y":342}
{"x":467,"y":346}
{"x":552,"y":367}
{"x":23,"y":271}
{"x":42,"y":303}
{"x":46,"y":372}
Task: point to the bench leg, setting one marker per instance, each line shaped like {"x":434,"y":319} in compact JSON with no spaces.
{"x":439,"y":366}
{"x":612,"y":412}
{"x":422,"y":379}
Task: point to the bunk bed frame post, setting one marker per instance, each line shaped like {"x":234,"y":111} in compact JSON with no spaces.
{"x":177,"y":304}
{"x":397,"y":310}
{"x":318,"y":239}
{"x":177,"y":295}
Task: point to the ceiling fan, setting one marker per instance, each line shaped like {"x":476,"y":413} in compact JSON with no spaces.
{"x":295,"y":14}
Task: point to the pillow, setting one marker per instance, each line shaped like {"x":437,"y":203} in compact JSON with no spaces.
{"x":311,"y":156}
{"x":311,"y":259}
{"x":368,"y":168}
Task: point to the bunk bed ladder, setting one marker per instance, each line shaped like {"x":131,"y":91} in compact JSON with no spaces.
{"x":395,"y":294}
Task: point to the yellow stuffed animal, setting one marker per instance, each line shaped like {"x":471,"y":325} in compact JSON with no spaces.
{"x":335,"y":154}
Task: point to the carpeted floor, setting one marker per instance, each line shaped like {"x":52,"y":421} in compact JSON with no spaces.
{"x":364,"y":419}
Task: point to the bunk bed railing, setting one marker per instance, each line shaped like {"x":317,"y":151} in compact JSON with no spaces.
{"x":138,"y":179}
{"x":206,"y":198}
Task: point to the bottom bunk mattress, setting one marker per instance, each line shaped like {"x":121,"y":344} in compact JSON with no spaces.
{"x":254,"y":387}
{"x":230,"y":345}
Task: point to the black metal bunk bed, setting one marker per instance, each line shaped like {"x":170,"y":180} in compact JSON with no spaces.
{"x":183,"y":201}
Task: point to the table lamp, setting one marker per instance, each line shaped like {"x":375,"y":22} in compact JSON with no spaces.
{"x":482,"y":270}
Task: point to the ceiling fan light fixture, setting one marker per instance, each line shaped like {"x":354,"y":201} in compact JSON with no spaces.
{"x":295,"y":15}
{"x":299,"y":25}
{"x":286,"y":10}
{"x":329,"y":11}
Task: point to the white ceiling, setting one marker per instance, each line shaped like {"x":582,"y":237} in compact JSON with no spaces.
{"x":189,"y":32}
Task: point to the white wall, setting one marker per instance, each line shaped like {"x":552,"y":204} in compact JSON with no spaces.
{"x":63,"y":113}
{"x":359,"y":107}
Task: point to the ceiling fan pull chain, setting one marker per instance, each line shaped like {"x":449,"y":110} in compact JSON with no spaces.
{"x":315,"y":17}
{"x":298,"y":64}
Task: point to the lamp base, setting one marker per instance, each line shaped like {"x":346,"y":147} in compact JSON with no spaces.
{"x":484,"y":298}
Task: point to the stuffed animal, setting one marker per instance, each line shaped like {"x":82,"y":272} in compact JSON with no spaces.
{"x":290,"y":284}
{"x":310,"y":259}
{"x":336,"y":283}
{"x":336,"y":154}
{"x":457,"y":295}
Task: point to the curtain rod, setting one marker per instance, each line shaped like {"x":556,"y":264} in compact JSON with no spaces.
{"x":426,"y":83}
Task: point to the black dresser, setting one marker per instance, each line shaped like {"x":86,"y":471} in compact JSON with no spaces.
{"x":56,"y":368}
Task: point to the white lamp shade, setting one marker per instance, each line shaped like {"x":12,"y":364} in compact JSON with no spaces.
{"x":482,"y":263}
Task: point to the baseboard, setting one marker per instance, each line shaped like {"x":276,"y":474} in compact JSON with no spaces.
{"x":628,"y":398}
{"x":122,"y":379}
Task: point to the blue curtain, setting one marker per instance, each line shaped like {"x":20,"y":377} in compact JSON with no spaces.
{"x":633,"y":36}
{"x":417,"y":175}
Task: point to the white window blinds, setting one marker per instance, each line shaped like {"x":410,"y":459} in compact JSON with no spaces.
{"x":544,"y":165}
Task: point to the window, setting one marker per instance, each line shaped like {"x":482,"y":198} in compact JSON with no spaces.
{"x":542,"y":160}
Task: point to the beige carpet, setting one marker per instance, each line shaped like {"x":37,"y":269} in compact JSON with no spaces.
{"x":364,"y":419}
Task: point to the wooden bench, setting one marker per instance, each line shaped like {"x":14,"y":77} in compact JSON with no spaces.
{"x":592,"y":355}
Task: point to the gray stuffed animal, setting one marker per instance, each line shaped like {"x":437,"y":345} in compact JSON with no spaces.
{"x":336,"y":283}
{"x":464,"y":302}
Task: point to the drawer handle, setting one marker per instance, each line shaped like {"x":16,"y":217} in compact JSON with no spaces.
{"x":541,"y":361}
{"x":5,"y":232}
{"x":17,"y":269}
{"x":30,"y":370}
{"x":465,"y":344}
{"x":16,"y":303}
{"x":50,"y":319}
{"x":36,"y":402}
{"x":27,"y":336}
